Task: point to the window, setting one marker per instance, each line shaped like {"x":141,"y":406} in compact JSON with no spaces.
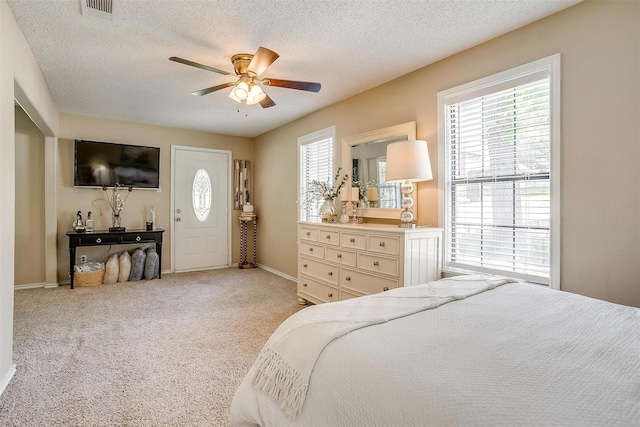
{"x":315,"y":162}
{"x":201,"y":195}
{"x":499,"y":147}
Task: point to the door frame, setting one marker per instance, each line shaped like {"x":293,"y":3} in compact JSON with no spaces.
{"x":228,"y":153}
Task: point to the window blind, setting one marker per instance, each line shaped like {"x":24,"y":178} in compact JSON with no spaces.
{"x":316,"y":163}
{"x":498,"y":180}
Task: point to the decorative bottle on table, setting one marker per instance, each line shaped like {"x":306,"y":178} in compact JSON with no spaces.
{"x":77,"y":224}
{"x":88,"y":225}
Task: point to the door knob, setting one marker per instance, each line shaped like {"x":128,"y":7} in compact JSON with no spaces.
{"x":178,"y":219}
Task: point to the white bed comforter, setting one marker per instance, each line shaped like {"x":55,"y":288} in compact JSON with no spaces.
{"x":516,"y":355}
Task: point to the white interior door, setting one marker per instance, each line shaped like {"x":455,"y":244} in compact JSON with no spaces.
{"x":201,"y":208}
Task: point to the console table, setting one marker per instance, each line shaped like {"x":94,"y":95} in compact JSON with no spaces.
{"x":102,"y":238}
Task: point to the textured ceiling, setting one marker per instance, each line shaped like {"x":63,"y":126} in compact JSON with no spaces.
{"x":120,"y":69}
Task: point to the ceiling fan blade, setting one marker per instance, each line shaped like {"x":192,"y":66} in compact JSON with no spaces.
{"x":212,"y":89}
{"x":261,"y":60}
{"x":201,"y":66}
{"x":267,"y":102}
{"x":291,"y":84}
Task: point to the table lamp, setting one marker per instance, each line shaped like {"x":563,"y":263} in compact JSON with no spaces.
{"x":408,"y":162}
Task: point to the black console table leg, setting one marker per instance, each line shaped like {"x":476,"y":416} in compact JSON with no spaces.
{"x":159,"y":252}
{"x":72,"y":264}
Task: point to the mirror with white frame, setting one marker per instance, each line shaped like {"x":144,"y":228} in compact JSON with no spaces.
{"x":364,"y":159}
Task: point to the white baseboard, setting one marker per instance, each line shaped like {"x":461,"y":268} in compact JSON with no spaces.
{"x":278,"y":273}
{"x":30,"y":286}
{"x":7,"y":379}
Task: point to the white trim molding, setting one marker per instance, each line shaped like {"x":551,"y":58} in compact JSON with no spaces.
{"x":7,"y":379}
{"x":278,"y":273}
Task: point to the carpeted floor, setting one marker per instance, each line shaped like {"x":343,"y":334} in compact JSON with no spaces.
{"x":167,"y":352}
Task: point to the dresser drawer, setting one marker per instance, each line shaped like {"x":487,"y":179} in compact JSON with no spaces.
{"x":89,"y":240}
{"x":341,"y":256}
{"x":384,"y":244}
{"x":365,"y":283}
{"x":309,"y":287}
{"x":319,"y":270}
{"x":353,"y":240}
{"x":378,"y":264}
{"x":348,"y":295}
{"x":330,"y":237}
{"x":307,"y":233}
{"x":138,"y":238}
{"x":313,"y":250}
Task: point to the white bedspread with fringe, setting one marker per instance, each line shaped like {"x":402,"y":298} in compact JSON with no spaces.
{"x":284,"y":365}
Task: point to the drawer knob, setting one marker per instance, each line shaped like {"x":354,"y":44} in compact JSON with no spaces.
{"x":308,"y":233}
{"x":310,"y":249}
{"x":339,"y":256}
{"x":304,"y":265}
{"x":376,"y":263}
{"x":304,"y":285}
{"x":352,"y":240}
{"x":98,"y":240}
{"x":328,"y":236}
{"x":330,"y":295}
{"x":331,"y":273}
{"x":384,"y":289}
{"x":348,"y":279}
{"x":138,"y":238}
{"x":382,"y":244}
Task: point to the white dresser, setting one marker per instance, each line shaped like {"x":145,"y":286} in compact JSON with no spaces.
{"x":341,"y":261}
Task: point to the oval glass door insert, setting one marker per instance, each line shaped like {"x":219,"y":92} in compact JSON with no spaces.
{"x":201,"y":195}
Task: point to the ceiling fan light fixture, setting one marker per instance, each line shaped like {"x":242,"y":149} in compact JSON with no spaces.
{"x":256,"y":94}
{"x":247,"y":68}
{"x":241,"y":91}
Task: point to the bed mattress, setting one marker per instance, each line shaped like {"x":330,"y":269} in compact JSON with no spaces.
{"x":520,"y":354}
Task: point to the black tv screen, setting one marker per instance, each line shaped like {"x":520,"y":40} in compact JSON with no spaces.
{"x":107,"y":163}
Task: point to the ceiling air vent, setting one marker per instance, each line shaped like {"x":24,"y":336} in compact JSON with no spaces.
{"x":102,"y":9}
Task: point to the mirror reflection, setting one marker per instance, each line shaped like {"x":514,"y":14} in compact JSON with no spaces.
{"x":364,"y":156}
{"x":368,"y":168}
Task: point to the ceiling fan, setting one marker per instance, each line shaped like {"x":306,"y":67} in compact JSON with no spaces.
{"x":247,"y":68}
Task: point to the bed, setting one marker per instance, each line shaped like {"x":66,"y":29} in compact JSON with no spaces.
{"x":503,"y":354}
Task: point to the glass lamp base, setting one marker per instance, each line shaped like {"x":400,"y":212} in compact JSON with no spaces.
{"x":406,"y":216}
{"x":407,"y":225}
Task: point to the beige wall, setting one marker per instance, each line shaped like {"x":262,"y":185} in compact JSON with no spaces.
{"x":21,"y":79}
{"x":30,"y":235}
{"x":71,"y":199}
{"x":600,"y":47}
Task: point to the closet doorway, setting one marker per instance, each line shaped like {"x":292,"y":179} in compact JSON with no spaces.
{"x":30,"y":235}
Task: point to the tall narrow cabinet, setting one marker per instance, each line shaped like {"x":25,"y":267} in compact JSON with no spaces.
{"x":342,"y":261}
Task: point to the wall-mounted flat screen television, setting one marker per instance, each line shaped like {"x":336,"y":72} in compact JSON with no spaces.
{"x":107,"y":163}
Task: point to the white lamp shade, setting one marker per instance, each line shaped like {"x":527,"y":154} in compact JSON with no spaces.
{"x":256,"y":94}
{"x":408,"y":161}
{"x":241,"y":91}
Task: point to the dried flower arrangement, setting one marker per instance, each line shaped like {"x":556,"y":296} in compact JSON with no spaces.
{"x":116,"y":202}
{"x":322,"y":190}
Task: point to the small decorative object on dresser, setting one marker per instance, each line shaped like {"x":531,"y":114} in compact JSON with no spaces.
{"x":338,"y":262}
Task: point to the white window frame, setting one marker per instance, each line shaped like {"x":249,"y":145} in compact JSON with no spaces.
{"x":494,"y":83}
{"x":326,"y":133}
